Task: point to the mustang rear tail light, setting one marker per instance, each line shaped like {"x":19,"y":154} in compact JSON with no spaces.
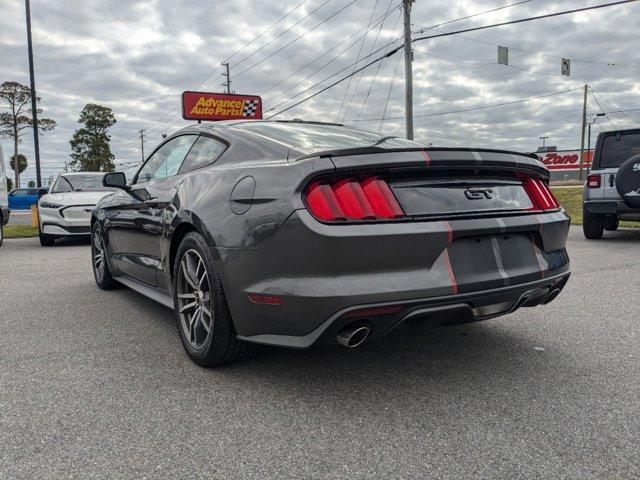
{"x":593,"y":181}
{"x":352,"y":199}
{"x":540,"y":194}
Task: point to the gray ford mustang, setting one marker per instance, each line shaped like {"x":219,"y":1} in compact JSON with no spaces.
{"x":300,"y":233}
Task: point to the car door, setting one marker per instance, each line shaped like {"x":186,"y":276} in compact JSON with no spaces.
{"x":135,"y":218}
{"x":18,"y":199}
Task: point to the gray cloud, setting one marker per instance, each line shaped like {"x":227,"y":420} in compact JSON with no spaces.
{"x":138,"y":56}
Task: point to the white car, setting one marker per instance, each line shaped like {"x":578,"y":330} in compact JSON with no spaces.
{"x":66,"y":210}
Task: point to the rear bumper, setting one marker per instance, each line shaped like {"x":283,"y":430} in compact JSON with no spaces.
{"x":609,"y":207}
{"x":4,"y":215}
{"x":322,"y":271}
{"x":445,"y":310}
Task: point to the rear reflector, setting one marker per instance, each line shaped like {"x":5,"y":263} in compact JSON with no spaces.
{"x":352,"y":199}
{"x":540,"y":194}
{"x":593,"y":181}
{"x":265,"y":299}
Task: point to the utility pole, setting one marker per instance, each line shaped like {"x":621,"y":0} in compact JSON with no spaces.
{"x":584,"y":125}
{"x":142,"y":143}
{"x":227,"y":83}
{"x":408,"y":72}
{"x":34,"y":108}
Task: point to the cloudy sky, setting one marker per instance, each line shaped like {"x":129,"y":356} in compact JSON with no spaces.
{"x":138,"y":56}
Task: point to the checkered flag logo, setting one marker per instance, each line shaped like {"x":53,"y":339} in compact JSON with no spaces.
{"x":250,"y":107}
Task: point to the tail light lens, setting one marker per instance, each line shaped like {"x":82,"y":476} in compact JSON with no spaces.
{"x":593,"y":181}
{"x":352,"y":199}
{"x":540,"y":194}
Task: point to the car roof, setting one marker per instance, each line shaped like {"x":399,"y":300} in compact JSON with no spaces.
{"x":225,"y":129}
{"x":71,"y":174}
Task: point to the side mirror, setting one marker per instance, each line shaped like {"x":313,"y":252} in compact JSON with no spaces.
{"x":115,"y":180}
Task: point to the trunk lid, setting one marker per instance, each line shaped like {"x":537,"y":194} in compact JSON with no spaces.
{"x":433,"y":183}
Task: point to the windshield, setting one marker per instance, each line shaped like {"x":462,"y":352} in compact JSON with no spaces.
{"x":616,"y":149}
{"x":79,"y":183}
{"x":318,"y":137}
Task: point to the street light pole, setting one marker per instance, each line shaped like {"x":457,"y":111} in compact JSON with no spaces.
{"x":408,"y":71}
{"x":34,"y":107}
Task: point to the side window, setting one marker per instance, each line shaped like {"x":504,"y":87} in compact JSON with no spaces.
{"x":166,"y":161}
{"x":204,"y":152}
{"x":32,"y":191}
{"x":20,"y":192}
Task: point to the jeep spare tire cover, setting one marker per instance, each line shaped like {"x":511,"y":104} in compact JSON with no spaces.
{"x":628,"y":181}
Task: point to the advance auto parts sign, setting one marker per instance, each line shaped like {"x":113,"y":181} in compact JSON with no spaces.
{"x":220,"y":106}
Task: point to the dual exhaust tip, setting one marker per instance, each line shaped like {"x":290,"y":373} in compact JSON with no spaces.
{"x":353,"y":336}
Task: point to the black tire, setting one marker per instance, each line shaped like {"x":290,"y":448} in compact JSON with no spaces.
{"x":219,"y":345}
{"x":1,"y":234}
{"x":592,"y":226}
{"x":99,"y":264}
{"x":611,"y":224}
{"x":45,"y":239}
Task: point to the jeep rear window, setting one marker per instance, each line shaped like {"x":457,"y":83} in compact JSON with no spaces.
{"x":616,"y":149}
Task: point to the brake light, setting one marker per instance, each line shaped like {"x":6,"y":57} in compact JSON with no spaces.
{"x":593,"y":181}
{"x":352,"y":199}
{"x":540,"y":194}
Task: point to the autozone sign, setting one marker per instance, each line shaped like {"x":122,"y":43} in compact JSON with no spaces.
{"x":565,"y":160}
{"x":220,"y":106}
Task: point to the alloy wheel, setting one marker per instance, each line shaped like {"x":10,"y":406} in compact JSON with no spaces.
{"x":98,"y":253}
{"x":194,"y":299}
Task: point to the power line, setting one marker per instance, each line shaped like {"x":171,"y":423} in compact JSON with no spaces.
{"x":483,"y":107}
{"x":264,"y":32}
{"x":208,"y":75}
{"x":444,"y":35}
{"x":602,"y":109}
{"x":522,"y":20}
{"x":533,"y":52}
{"x":355,"y":90}
{"x":364,"y":39}
{"x":388,"y":54}
{"x":424,"y":29}
{"x":617,"y":110}
{"x":282,"y":33}
{"x":375,"y":75}
{"x":297,"y":38}
{"x":337,"y":73}
{"x":287,"y":77}
{"x":386,"y":103}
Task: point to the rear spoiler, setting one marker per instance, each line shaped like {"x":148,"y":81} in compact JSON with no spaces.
{"x":365,"y":157}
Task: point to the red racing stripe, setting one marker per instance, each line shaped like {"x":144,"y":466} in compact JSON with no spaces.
{"x":427,"y":159}
{"x":452,"y":277}
{"x":536,"y":253}
{"x":449,"y":231}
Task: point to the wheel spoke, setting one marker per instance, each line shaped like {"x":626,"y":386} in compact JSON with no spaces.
{"x":192,"y":328}
{"x":188,"y":306}
{"x":186,"y":295}
{"x":205,"y":325}
{"x":205,"y":311}
{"x":187,"y":275}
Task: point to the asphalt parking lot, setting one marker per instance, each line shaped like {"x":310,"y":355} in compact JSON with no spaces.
{"x":95,"y":384}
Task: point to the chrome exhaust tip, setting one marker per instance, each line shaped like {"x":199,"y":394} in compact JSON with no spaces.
{"x":353,"y":336}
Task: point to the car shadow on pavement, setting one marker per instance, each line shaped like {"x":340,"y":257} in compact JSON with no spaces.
{"x":72,"y":241}
{"x":622,"y":234}
{"x":413,"y":358}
